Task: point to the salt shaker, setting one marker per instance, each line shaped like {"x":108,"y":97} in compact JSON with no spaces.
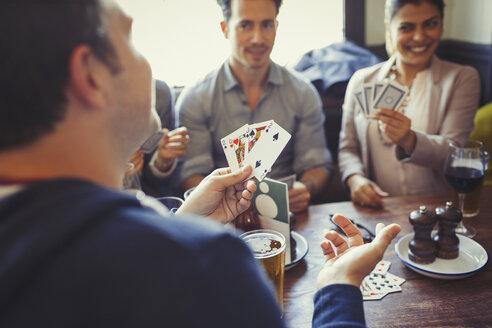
{"x":446,"y":240}
{"x":422,"y":248}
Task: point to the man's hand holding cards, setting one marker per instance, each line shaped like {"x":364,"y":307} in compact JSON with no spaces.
{"x":257,"y":144}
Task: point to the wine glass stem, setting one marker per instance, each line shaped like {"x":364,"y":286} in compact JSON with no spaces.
{"x":461,"y":203}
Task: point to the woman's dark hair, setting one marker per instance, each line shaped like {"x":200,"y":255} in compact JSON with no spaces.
{"x":225,"y":5}
{"x":37,"y":40}
{"x":392,"y":6}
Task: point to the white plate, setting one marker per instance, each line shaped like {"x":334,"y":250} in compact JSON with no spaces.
{"x":301,"y":249}
{"x":472,"y":257}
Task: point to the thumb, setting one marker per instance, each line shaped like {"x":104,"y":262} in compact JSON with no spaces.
{"x":384,"y":236}
{"x":232,"y":178}
{"x":378,"y":190}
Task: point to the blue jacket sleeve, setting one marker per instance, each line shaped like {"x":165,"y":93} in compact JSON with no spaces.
{"x":338,"y":306}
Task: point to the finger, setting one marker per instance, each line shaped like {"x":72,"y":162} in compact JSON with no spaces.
{"x":179,"y":137}
{"x":246,"y":194}
{"x":367,"y":197}
{"x":379,"y":227}
{"x":299,"y":197}
{"x":378,"y":190}
{"x":134,"y":156}
{"x":328,"y":250}
{"x":174,"y":146}
{"x":384,"y":112}
{"x":230,"y":179}
{"x":384,"y":237}
{"x":298,"y":206}
{"x":337,"y":241}
{"x":353,"y":234}
{"x":371,"y":198}
{"x":250,"y":185}
{"x":180,"y":130}
{"x":220,"y":171}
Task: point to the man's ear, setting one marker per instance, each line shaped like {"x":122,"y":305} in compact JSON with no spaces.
{"x":88,"y":77}
{"x":223,"y":27}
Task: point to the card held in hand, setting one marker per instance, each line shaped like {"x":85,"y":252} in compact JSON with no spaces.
{"x":266,"y":151}
{"x":235,"y":147}
{"x":257,"y":144}
{"x":391,"y":96}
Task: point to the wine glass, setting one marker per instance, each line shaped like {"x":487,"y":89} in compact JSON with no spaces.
{"x":131,"y":179}
{"x":464,"y":170}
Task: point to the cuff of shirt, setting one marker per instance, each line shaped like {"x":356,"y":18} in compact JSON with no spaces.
{"x":156,"y":171}
{"x":338,"y":305}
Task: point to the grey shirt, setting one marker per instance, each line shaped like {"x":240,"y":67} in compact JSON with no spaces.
{"x":216,"y":106}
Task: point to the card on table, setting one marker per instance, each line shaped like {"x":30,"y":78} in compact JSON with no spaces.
{"x":382,"y":267}
{"x":380,"y":282}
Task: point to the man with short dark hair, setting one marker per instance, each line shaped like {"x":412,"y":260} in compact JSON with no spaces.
{"x":250,"y":88}
{"x":77,"y":252}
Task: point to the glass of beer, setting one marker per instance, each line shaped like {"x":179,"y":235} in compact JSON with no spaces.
{"x":268,"y":247}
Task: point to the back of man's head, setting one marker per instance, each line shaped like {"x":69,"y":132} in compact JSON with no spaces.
{"x":37,"y":39}
{"x":225,"y":5}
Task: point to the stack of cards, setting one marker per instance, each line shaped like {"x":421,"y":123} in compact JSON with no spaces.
{"x":384,"y":94}
{"x":257,"y":144}
{"x":380,"y":282}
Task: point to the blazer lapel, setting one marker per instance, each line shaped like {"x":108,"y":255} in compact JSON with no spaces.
{"x":434,"y":95}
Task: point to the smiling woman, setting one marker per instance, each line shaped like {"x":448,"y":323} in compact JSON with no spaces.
{"x":183,"y":41}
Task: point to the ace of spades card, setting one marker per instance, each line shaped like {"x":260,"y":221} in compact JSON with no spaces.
{"x":266,"y":151}
{"x":258,"y":131}
{"x":235,"y":147}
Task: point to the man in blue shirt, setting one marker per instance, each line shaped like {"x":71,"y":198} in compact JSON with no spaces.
{"x":250,"y":88}
{"x":77,"y":252}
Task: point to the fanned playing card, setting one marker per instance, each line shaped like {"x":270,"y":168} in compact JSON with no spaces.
{"x":235,"y":147}
{"x":391,"y":96}
{"x":359,"y":97}
{"x":367,"y":96}
{"x":257,"y":132}
{"x":266,"y":151}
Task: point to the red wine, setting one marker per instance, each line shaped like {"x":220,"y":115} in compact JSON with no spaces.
{"x":463,"y":179}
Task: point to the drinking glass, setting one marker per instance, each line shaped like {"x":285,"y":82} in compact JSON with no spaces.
{"x":464,"y":169}
{"x":131,"y":180}
{"x":268,"y":247}
{"x":172,"y":203}
{"x":472,"y":200}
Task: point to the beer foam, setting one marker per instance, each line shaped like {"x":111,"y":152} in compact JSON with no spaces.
{"x":265,"y":244}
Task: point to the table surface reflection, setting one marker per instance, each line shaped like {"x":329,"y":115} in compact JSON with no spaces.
{"x":423,"y":301}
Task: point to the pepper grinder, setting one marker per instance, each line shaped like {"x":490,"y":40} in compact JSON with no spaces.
{"x":421,"y":248}
{"x":446,"y":240}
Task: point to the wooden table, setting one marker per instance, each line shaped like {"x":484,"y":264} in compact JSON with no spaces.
{"x":424,"y":301}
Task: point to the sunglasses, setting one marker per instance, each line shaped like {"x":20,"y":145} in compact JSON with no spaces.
{"x":367,"y":235}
